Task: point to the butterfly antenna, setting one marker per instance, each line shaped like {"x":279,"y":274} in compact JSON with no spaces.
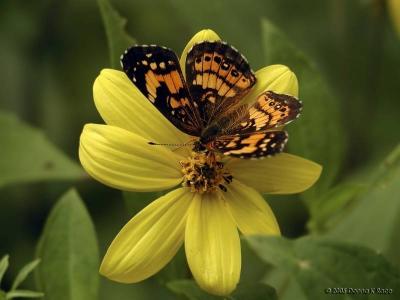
{"x":171,"y":145}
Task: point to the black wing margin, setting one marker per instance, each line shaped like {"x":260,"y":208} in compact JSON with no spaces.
{"x":157,"y":74}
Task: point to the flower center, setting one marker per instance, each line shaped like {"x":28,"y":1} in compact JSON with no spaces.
{"x":202,"y":172}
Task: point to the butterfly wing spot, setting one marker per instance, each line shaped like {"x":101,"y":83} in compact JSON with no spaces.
{"x":214,"y":71}
{"x":225,"y":66}
{"x":176,"y":80}
{"x":153,"y":66}
{"x":233,"y":142}
{"x":281,"y":108}
{"x":269,"y":111}
{"x":253,"y":145}
{"x":174,"y":103}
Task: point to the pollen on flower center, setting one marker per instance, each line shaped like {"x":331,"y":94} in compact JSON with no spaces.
{"x":202,"y":172}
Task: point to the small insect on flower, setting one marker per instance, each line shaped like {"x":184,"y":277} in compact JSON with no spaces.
{"x":208,"y":104}
{"x":224,"y":115}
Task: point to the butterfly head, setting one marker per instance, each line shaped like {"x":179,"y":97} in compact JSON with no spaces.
{"x":199,"y":147}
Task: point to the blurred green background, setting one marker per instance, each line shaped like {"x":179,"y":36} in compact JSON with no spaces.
{"x":51,"y":52}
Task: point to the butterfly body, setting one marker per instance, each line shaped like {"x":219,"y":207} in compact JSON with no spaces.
{"x":207,"y":104}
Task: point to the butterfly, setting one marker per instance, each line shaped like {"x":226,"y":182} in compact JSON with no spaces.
{"x":207,"y":105}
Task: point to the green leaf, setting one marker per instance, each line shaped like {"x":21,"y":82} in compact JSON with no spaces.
{"x":27,"y":156}
{"x":190,"y":290}
{"x":135,"y":201}
{"x":177,"y":268}
{"x":23,"y":294}
{"x":248,"y":291}
{"x":254,"y":291}
{"x":3,"y":266}
{"x":2,"y":295}
{"x":374,"y":220}
{"x":69,"y":252}
{"x":118,"y":39}
{"x":286,"y":286}
{"x":23,"y":273}
{"x":253,"y":270}
{"x":331,"y":204}
{"x":318,"y":133}
{"x":318,"y":264}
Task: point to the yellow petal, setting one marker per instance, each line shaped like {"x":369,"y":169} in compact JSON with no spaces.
{"x":212,"y":245}
{"x":121,"y":104}
{"x":250,"y":211}
{"x":203,"y":35}
{"x":280,"y":174}
{"x":149,"y":240}
{"x":124,"y":160}
{"x":277,"y":78}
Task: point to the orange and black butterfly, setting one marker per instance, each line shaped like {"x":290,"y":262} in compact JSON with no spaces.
{"x":208,"y":104}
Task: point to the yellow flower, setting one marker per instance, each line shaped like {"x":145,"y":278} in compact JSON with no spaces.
{"x":118,"y":155}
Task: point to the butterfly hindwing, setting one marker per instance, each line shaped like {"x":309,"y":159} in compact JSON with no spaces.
{"x":252,"y":145}
{"x":269,"y":111}
{"x":218,"y":77}
{"x":156,"y":73}
{"x":248,"y":131}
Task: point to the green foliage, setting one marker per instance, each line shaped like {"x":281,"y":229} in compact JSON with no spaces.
{"x":3,"y":266}
{"x":374,"y":220}
{"x":23,"y":294}
{"x":135,"y":202}
{"x":23,"y":273}
{"x":118,"y":39}
{"x":317,"y":264}
{"x":27,"y":156}
{"x":318,"y":134}
{"x":69,"y":252}
{"x":331,"y":204}
{"x":253,"y":291}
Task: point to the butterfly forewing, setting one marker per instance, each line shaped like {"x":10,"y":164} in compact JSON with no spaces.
{"x":156,"y":73}
{"x":218,"y":77}
{"x":252,"y":145}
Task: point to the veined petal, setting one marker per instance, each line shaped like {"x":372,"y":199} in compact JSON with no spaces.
{"x":121,"y":104}
{"x":250,"y":211}
{"x":124,"y":160}
{"x":149,"y":240}
{"x":203,"y":35}
{"x":280,"y":174}
{"x":277,"y":78}
{"x":212,"y":245}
